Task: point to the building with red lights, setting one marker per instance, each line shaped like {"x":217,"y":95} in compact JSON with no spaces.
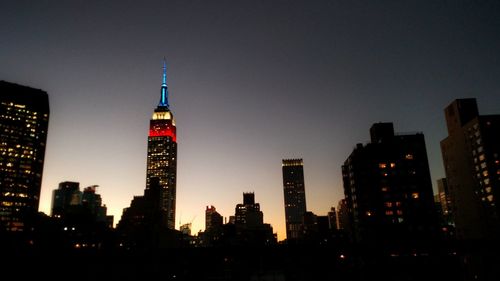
{"x":162,"y":153}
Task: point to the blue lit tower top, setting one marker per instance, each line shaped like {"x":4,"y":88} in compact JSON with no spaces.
{"x":164,"y":87}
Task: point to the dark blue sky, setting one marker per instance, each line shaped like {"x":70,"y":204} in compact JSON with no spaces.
{"x":251,"y":82}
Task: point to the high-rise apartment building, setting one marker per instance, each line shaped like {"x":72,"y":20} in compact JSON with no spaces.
{"x":24,"y":119}
{"x":471,"y":156}
{"x":162,"y":152}
{"x":295,"y":197}
{"x":388,"y":189}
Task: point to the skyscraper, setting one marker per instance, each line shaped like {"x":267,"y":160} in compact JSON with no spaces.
{"x":471,"y":156}
{"x":295,"y":197}
{"x":388,"y":188}
{"x":162,"y":153}
{"x":24,"y":119}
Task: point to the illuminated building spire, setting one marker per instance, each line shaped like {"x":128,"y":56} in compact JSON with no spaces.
{"x":164,"y":87}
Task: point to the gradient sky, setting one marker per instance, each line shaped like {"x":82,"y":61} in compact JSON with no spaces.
{"x":250,"y":82}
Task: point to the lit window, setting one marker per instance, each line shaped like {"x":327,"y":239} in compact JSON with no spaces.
{"x":389,"y":213}
{"x":384,"y":188}
{"x":490,"y":198}
{"x":393,"y":165}
{"x":382,"y":165}
{"x":388,"y":204}
{"x":414,"y":195}
{"x":409,"y":156}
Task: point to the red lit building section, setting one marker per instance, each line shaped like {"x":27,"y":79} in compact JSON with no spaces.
{"x":169,"y":131}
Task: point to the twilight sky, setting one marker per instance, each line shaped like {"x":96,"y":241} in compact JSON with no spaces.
{"x":250,"y":82}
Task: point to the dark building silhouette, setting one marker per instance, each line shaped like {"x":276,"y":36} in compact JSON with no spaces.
{"x":343,"y":221}
{"x":248,"y":213}
{"x":68,"y":200}
{"x":444,"y":197}
{"x":93,"y":201}
{"x":79,"y":220}
{"x":214,"y":227}
{"x":388,"y":189}
{"x":143,"y":225}
{"x":212,"y":218}
{"x":444,"y":208}
{"x":162,"y":153}
{"x":24,"y":119}
{"x":332,"y":219}
{"x":295,"y":197}
{"x":471,"y":156}
{"x":250,"y":228}
{"x":68,"y":194}
{"x":185,"y":229}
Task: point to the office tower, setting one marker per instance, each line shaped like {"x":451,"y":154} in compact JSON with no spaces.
{"x":388,"y":188}
{"x":295,"y":197}
{"x":24,"y":119}
{"x":162,"y":152}
{"x":68,"y":194}
{"x":471,"y":156}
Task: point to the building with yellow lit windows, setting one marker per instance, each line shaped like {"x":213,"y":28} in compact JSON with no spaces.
{"x":471,"y":156}
{"x":24,"y":118}
{"x":162,"y":153}
{"x":388,"y":189}
{"x":295,"y":198}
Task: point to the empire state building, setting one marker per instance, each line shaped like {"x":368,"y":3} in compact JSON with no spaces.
{"x":162,"y":154}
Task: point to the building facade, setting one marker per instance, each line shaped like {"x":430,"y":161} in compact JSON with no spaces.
{"x":162,"y":153}
{"x":24,"y":119}
{"x":388,"y":189}
{"x":471,"y":157}
{"x":295,"y":197}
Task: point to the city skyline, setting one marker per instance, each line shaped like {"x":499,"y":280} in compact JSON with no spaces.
{"x":251,"y":84}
